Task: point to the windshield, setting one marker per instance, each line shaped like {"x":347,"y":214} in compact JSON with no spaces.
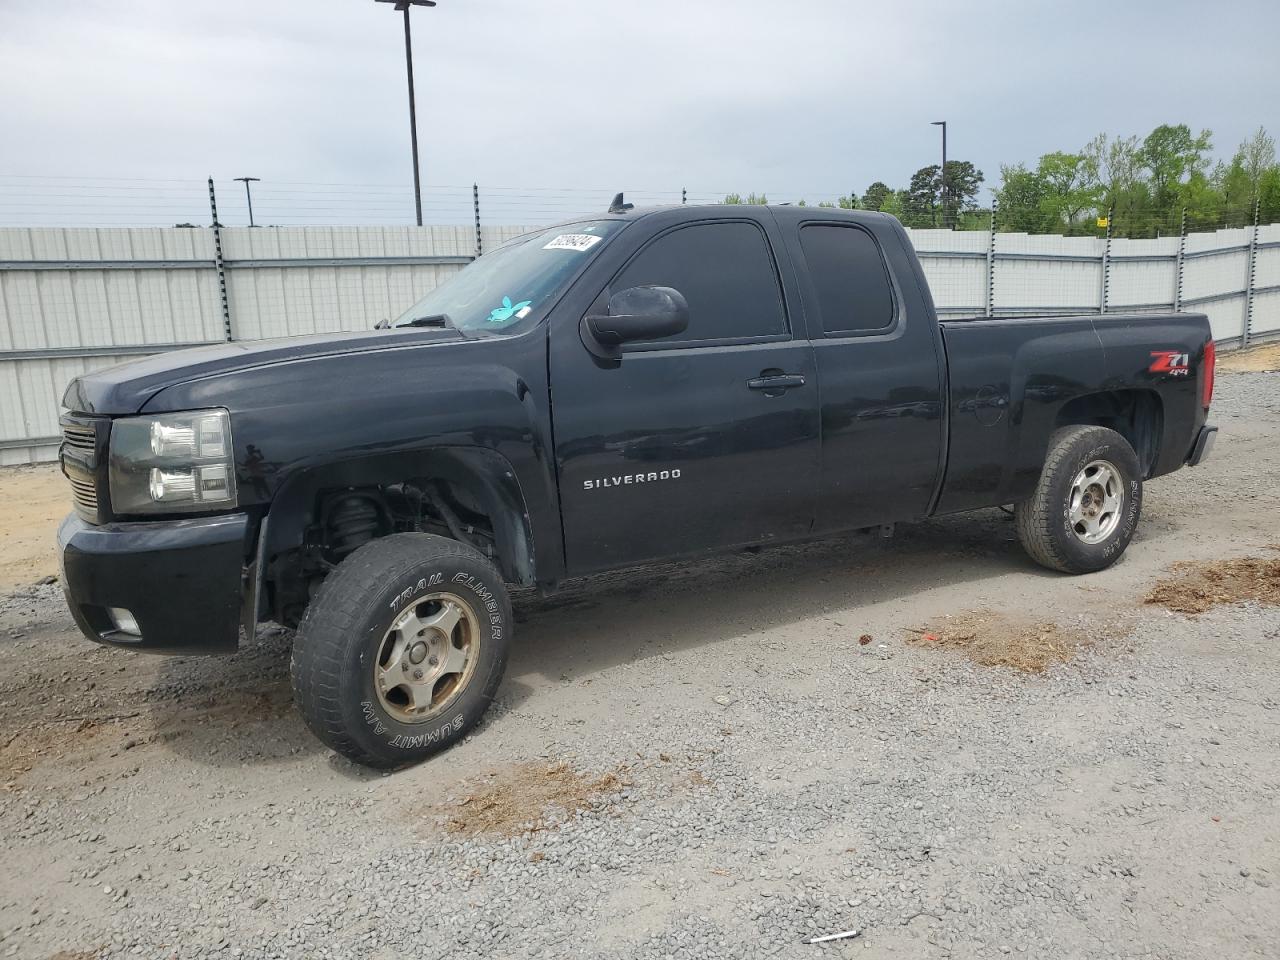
{"x":500,"y":291}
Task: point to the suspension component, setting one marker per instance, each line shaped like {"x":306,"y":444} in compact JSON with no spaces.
{"x":352,"y":521}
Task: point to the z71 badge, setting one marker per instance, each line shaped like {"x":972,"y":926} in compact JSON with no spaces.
{"x":1173,"y":362}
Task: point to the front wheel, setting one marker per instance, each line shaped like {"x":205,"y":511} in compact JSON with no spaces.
{"x":402,"y":649}
{"x":1086,"y":504}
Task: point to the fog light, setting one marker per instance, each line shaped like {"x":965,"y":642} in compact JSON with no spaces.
{"x":123,"y":621}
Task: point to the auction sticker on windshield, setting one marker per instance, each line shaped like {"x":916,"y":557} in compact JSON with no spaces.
{"x":573,"y":241}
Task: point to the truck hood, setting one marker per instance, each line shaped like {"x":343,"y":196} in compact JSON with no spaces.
{"x":126,"y":387}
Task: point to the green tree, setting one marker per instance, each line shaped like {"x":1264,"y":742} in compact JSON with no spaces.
{"x":1020,"y":200}
{"x":875,"y":196}
{"x":1256,"y":156}
{"x":1233,"y":193}
{"x":962,"y":182}
{"x":1115,"y":166}
{"x":1144,"y":183}
{"x":920,"y":205}
{"x":1170,"y":154}
{"x":1269,"y":196}
{"x":1244,"y":181}
{"x":1070,"y":188}
{"x":893,"y":204}
{"x":977,"y":218}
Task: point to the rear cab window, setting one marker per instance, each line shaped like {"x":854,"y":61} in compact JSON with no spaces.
{"x":850,"y":280}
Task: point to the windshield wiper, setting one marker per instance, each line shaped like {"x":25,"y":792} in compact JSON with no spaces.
{"x":440,"y":320}
{"x":431,"y":320}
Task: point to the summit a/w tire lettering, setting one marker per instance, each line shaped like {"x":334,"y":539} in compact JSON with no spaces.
{"x":1087,"y":503}
{"x":402,"y":649}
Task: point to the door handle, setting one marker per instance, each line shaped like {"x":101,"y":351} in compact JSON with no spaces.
{"x":775,"y":383}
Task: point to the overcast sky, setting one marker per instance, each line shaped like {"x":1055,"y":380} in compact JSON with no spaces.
{"x":808,"y":98}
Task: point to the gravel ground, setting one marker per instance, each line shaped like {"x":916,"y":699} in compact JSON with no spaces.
{"x":748,"y":773}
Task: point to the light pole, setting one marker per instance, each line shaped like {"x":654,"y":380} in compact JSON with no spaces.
{"x":942,"y":175}
{"x":403,"y":6}
{"x":248,"y":196}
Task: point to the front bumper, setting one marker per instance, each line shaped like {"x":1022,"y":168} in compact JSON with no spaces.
{"x":183,"y":581}
{"x":1203,"y":446}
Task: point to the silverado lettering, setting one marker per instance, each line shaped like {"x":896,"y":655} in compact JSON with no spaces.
{"x":627,"y":479}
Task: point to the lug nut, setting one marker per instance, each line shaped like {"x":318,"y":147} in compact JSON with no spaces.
{"x":417,"y":674}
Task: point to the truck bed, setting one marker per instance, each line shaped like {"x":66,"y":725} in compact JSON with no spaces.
{"x":1013,"y":380}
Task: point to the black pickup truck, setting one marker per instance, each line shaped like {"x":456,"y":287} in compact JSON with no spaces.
{"x":641,"y":385}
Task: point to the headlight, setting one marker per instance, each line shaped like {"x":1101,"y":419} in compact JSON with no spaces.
{"x":172,"y":463}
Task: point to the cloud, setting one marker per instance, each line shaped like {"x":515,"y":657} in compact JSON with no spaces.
{"x":803,"y":99}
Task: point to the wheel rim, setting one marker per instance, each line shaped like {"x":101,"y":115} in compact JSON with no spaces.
{"x":1097,"y":501}
{"x":426,"y":658}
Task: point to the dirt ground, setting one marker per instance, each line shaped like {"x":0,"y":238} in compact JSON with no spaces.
{"x":526,"y":798}
{"x":929,"y":739}
{"x":992,"y":639}
{"x":1196,"y":587}
{"x":34,"y":500}
{"x":1261,"y":359}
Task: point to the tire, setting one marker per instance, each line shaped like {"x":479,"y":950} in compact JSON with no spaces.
{"x":1046,"y":525}
{"x":384,"y":696}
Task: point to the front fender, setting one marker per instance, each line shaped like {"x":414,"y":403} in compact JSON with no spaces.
{"x":484,"y":472}
{"x":477,"y":408}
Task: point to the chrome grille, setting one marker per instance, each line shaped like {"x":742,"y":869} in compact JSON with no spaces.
{"x":82,"y":438}
{"x":83,"y":457}
{"x":85,"y":493}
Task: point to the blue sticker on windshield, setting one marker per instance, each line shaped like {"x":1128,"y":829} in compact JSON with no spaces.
{"x":508,"y":310}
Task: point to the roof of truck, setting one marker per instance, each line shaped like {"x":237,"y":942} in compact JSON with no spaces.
{"x":780,"y":210}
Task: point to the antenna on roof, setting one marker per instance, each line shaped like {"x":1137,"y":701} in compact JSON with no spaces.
{"x":618,"y":206}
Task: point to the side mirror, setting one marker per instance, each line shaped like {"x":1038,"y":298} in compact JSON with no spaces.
{"x":639,"y":313}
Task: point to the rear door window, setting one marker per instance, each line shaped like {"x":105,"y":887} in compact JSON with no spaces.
{"x":726,"y":273}
{"x":850,"y":279}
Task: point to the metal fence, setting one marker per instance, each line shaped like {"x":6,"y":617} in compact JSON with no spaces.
{"x":1231,"y":275}
{"x":75,"y":299}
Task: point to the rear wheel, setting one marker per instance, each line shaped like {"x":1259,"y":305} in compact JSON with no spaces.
{"x":1086,"y":504}
{"x":402,"y":649}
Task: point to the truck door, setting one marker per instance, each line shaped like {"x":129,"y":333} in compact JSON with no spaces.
{"x":698,"y":441}
{"x":875,"y":338}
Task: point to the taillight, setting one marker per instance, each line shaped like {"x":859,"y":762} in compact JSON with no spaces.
{"x":1206,"y":375}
